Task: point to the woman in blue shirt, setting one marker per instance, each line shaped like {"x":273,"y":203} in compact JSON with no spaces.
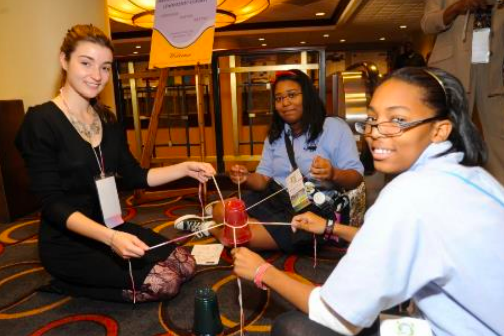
{"x":324,"y":149}
{"x":434,"y":234}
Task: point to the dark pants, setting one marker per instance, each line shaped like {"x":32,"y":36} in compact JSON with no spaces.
{"x":296,"y":323}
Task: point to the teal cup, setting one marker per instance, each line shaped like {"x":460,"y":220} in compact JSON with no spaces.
{"x":207,"y":319}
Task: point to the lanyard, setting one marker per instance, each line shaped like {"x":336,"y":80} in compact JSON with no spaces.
{"x":290,"y":150}
{"x":100,"y":161}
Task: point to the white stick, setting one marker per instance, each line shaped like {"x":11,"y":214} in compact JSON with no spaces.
{"x":183,"y":237}
{"x":270,"y":223}
{"x":218,"y":190}
{"x":264,"y":199}
{"x":240,"y":295}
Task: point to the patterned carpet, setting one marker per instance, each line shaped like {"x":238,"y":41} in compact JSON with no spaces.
{"x":26,"y":311}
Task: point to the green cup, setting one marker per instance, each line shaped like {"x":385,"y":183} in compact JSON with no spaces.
{"x":207,"y":320}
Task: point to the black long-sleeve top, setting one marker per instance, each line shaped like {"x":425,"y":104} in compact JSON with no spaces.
{"x":63,"y":167}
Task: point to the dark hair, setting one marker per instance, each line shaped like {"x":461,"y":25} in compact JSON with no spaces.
{"x":87,"y":33}
{"x":314,"y":113}
{"x":445,"y":94}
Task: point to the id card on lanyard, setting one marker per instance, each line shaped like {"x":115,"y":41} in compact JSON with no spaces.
{"x":297,"y":191}
{"x":405,"y":326}
{"x":481,"y":35}
{"x":107,"y":194}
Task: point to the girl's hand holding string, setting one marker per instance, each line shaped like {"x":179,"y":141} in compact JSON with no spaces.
{"x":238,"y":174}
{"x":309,"y":222}
{"x":127,"y":245}
{"x":200,"y":171}
{"x":321,"y":169}
{"x":246,"y":263}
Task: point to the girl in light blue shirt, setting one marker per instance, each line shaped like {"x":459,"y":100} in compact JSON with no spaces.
{"x":434,"y":234}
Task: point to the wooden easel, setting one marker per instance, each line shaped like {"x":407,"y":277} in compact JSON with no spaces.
{"x":140,"y":195}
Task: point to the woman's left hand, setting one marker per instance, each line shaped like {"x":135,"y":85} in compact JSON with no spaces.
{"x":310,"y":222}
{"x":246,"y":262}
{"x":200,"y":171}
{"x":321,"y":169}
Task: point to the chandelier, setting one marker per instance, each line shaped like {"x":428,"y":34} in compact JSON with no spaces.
{"x":141,"y":12}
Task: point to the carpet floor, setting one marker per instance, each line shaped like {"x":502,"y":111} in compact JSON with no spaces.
{"x":26,"y":311}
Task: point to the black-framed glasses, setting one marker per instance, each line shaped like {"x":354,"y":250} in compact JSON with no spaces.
{"x":391,"y":128}
{"x":290,"y":95}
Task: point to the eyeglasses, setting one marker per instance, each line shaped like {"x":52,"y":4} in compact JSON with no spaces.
{"x":391,"y":128}
{"x":290,"y":95}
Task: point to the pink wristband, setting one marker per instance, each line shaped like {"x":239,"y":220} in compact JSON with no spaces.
{"x":258,"y":276}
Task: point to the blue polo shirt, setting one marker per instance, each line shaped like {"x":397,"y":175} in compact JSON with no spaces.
{"x":336,"y":143}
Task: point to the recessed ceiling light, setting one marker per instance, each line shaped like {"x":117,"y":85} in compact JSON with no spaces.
{"x":264,"y":44}
{"x":135,"y":52}
{"x":403,"y":26}
{"x":342,"y":40}
{"x":261,"y":38}
{"x":326,"y":35}
{"x":382,"y":38}
{"x":320,"y":14}
{"x":302,"y":42}
{"x":138,"y":47}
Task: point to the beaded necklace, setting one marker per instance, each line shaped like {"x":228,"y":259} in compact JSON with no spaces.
{"x":85,"y":130}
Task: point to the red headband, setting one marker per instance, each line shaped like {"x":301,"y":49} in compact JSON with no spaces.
{"x":284,"y":73}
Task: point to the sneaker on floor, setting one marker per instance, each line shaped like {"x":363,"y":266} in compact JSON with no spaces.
{"x":209,"y":208}
{"x":193,"y":223}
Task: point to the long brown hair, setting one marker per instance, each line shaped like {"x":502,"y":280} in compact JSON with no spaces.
{"x":87,"y":33}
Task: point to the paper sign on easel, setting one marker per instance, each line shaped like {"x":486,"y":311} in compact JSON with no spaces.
{"x":183,"y":33}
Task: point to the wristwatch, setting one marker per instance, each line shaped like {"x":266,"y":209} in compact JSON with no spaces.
{"x":328,"y":232}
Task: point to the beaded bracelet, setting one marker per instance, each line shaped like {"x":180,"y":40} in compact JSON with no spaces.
{"x":258,"y":276}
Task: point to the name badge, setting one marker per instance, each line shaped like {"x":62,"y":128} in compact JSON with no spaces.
{"x":481,"y":46}
{"x":109,"y":201}
{"x":406,"y":326}
{"x":297,"y":191}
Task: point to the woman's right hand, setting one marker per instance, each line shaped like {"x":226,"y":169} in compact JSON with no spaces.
{"x":238,"y":174}
{"x":309,"y":222}
{"x":127,"y":245}
{"x":246,"y":263}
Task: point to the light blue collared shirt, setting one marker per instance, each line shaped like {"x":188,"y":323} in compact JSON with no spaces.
{"x":336,"y":143}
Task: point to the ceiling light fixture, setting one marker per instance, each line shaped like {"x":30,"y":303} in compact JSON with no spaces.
{"x":342,"y":40}
{"x":302,"y":42}
{"x":261,"y":38}
{"x":326,"y":35}
{"x":320,"y":14}
{"x":382,"y":38}
{"x":403,"y":27}
{"x":138,"y":47}
{"x":140,"y":13}
{"x":264,"y":44}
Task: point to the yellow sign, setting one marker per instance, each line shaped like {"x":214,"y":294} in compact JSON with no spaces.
{"x":183,"y":33}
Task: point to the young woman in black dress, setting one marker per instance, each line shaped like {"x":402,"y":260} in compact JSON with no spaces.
{"x":67,"y":143}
